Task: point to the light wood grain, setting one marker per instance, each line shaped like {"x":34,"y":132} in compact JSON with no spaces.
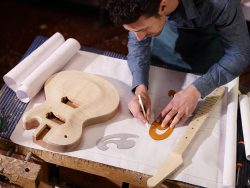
{"x":19,"y":172}
{"x":74,"y":100}
{"x":110,"y":172}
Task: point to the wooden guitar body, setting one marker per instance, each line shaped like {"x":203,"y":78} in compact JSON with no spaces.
{"x":74,"y":100}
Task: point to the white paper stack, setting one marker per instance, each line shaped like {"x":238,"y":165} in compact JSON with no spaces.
{"x":28,"y":77}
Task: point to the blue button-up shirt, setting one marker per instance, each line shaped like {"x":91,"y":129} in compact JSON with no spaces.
{"x":227,"y":18}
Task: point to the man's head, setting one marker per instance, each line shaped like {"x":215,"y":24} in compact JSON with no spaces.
{"x":145,"y":18}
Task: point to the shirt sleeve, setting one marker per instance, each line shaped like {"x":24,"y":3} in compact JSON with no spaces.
{"x":138,"y":59}
{"x":232,"y":29}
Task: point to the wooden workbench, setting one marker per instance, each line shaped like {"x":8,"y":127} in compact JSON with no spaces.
{"x":114,"y":174}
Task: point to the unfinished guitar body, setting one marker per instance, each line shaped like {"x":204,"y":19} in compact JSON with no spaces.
{"x":74,"y":100}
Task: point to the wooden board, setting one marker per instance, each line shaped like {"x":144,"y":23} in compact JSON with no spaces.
{"x":19,"y":172}
{"x":110,"y":172}
{"x":73,"y":100}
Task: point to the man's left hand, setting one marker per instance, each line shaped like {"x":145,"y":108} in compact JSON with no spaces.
{"x":180,"y":107}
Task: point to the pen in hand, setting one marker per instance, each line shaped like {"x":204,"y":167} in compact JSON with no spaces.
{"x":143,"y":110}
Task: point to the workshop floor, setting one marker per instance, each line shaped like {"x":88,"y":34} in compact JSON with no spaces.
{"x":22,"y":21}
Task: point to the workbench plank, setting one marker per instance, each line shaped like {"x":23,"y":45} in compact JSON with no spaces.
{"x":19,"y":172}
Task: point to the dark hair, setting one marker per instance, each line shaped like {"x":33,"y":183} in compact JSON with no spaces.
{"x":128,"y":11}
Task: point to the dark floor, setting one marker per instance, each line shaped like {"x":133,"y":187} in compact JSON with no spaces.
{"x":21,"y":21}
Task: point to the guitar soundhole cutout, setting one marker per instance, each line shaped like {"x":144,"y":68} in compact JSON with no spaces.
{"x":51,"y":116}
{"x":68,"y":102}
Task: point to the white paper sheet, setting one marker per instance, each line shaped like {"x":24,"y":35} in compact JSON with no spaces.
{"x":200,"y":161}
{"x":55,"y":62}
{"x":231,"y":135}
{"x":245,"y":119}
{"x":14,"y":77}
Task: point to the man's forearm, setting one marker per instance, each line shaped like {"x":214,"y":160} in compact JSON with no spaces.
{"x":228,"y":68}
{"x":139,"y":60}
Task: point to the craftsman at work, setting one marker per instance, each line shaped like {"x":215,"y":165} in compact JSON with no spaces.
{"x":209,"y":37}
{"x":66,"y":103}
{"x":123,"y":142}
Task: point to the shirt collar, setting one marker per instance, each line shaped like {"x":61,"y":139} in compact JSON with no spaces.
{"x":190,"y":9}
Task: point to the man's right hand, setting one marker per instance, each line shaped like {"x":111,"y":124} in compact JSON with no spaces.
{"x":135,"y":107}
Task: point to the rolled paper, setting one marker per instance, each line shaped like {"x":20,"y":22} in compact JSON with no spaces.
{"x":23,"y":69}
{"x":245,"y":119}
{"x":231,"y":134}
{"x":245,"y":5}
{"x":56,"y":61}
{"x":248,"y":94}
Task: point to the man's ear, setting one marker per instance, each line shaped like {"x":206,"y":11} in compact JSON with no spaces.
{"x":163,"y":8}
{"x":167,"y":6}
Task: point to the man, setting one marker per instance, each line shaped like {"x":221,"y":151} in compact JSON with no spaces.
{"x":202,"y":36}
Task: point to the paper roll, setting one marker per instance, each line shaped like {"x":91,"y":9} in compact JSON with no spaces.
{"x":245,"y":5}
{"x":245,"y":119}
{"x":17,"y":75}
{"x":56,"y":61}
{"x":231,"y":134}
{"x":248,"y":94}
